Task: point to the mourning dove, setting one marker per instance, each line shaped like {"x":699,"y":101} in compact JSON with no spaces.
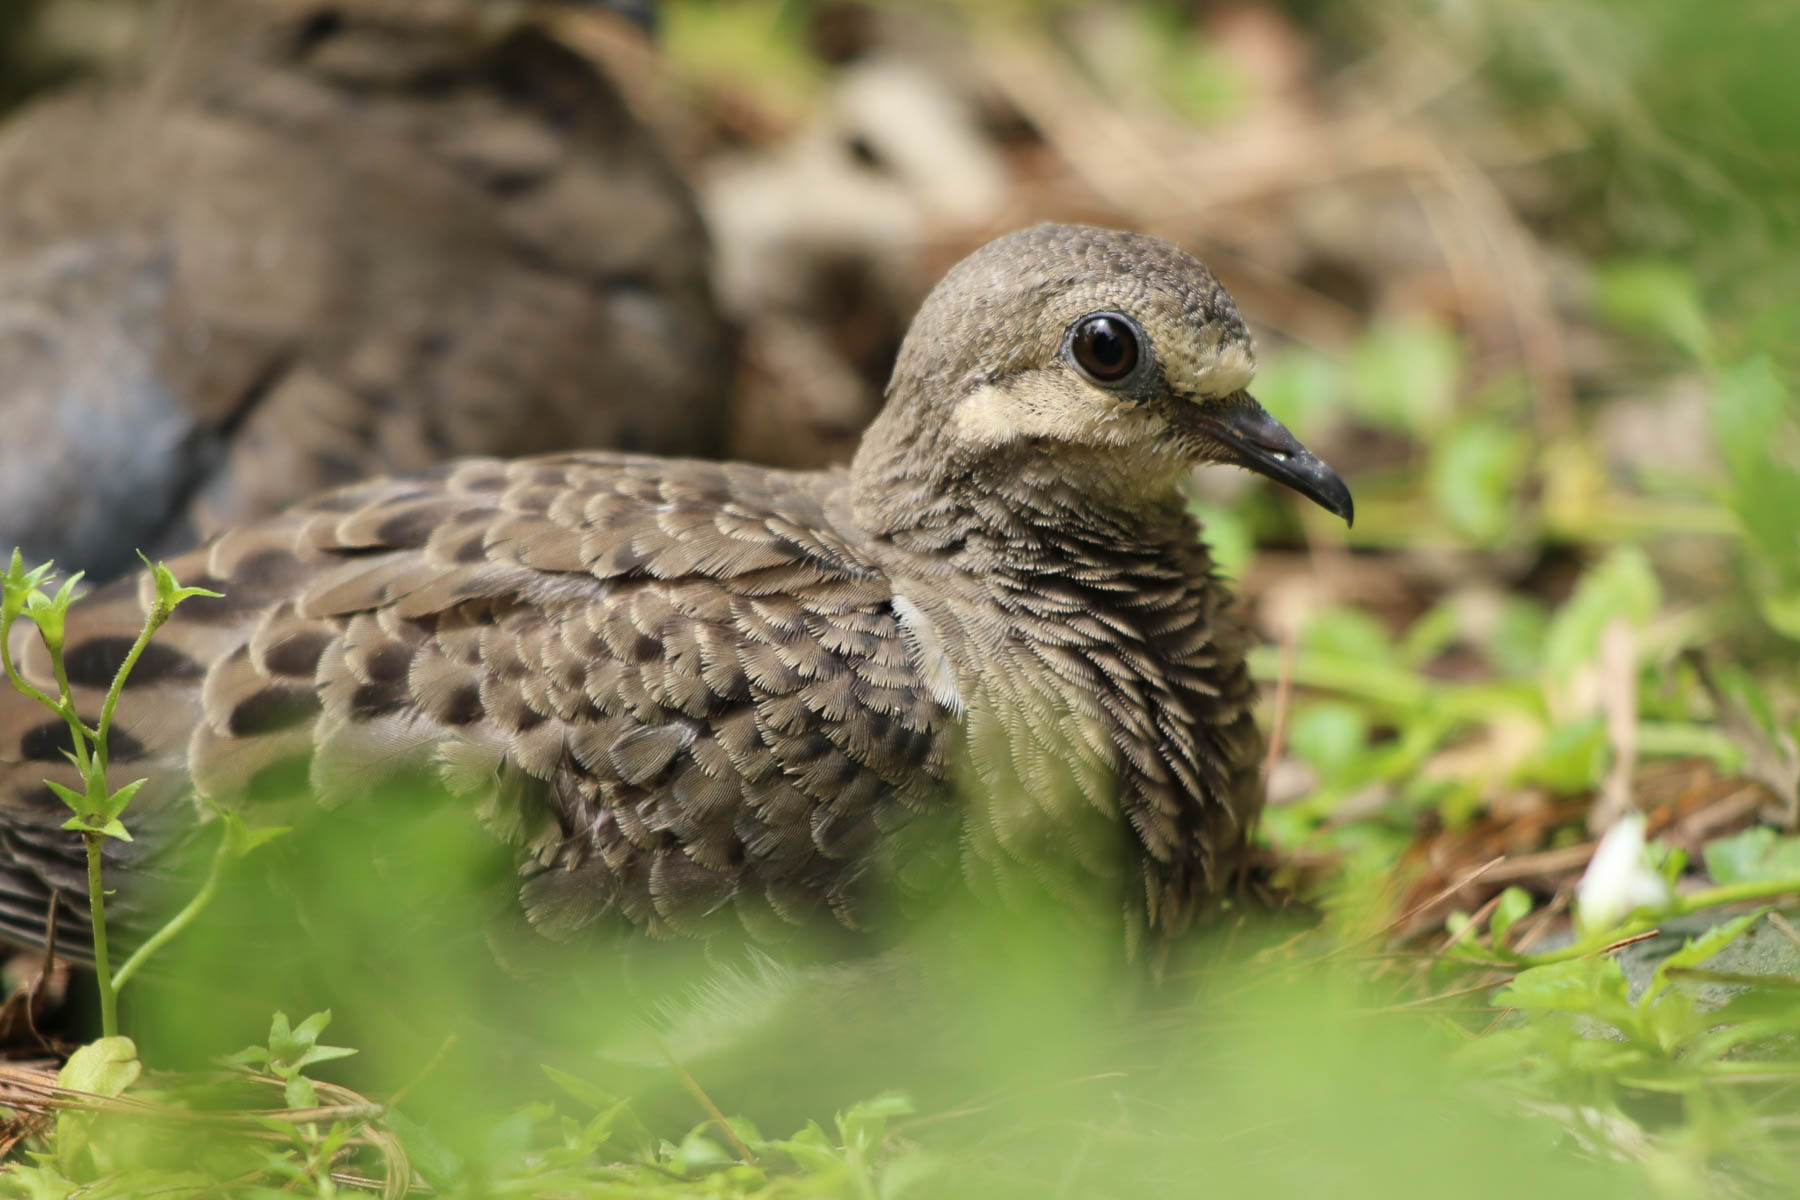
{"x":311,"y":243}
{"x":688,"y":692}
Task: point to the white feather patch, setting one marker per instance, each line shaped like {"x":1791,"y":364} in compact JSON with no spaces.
{"x":1228,"y":370}
{"x":988,"y":417}
{"x":927,"y":651}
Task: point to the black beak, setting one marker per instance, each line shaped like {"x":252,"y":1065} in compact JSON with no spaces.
{"x":1255,"y":440}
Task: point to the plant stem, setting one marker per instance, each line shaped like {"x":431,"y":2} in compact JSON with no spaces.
{"x":19,"y":682}
{"x":158,"y":615}
{"x":109,"y":996}
{"x":181,"y":920}
{"x":78,"y":730}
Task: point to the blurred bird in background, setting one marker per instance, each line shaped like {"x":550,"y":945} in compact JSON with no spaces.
{"x":289,"y":244}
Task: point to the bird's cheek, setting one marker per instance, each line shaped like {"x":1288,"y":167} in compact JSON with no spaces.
{"x":1215,"y":371}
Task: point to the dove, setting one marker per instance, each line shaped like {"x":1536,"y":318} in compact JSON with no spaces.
{"x":687,"y":695}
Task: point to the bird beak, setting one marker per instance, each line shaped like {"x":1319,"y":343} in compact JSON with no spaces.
{"x":1253,"y":439}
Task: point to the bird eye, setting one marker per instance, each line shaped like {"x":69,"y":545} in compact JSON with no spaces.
{"x":1104,"y":346}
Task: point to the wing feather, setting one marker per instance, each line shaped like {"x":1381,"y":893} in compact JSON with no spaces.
{"x":671,"y":685}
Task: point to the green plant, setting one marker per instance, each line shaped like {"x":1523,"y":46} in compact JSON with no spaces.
{"x":97,"y":807}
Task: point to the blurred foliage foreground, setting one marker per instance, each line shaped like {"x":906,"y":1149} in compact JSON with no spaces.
{"x":1375,"y":1047}
{"x":1534,"y":778}
{"x":985,"y":1054}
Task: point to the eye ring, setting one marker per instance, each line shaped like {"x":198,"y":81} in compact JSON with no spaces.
{"x":1106,"y":347}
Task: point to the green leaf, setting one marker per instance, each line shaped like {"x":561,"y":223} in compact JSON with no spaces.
{"x":1350,"y":633}
{"x":105,"y":1067}
{"x":1755,"y":426}
{"x":1515,"y":902}
{"x":1571,"y":759}
{"x":811,"y":1150}
{"x":1744,"y":689}
{"x":1620,"y":586}
{"x":1515,"y":644}
{"x":42,"y":1182}
{"x":18,"y":584}
{"x":699,"y":1152}
{"x":69,"y":796}
{"x":1403,"y":376}
{"x":1476,"y":474}
{"x":240,"y":839}
{"x":298,"y":1092}
{"x":249,"y":1056}
{"x":1753,"y":856}
{"x":1594,"y":986}
{"x":292,"y":1050}
{"x":436,"y":1162}
{"x":1658,"y":299}
{"x":111,"y":829}
{"x":1227,"y":536}
{"x":1329,"y":735}
{"x":319,"y":1054}
{"x":115,"y":804}
{"x":1300,"y":389}
{"x":510,"y":1138}
{"x":308,"y":1031}
{"x":65,"y":595}
{"x":590,"y":1094}
{"x":1781,"y":609}
{"x":49,"y":613}
{"x":905,"y":1174}
{"x":40,"y":611}
{"x":169,"y":591}
{"x":1697,"y":950}
{"x":614,"y":1119}
{"x":1433,"y":633}
{"x":1690,"y":739}
{"x":864,"y":1126}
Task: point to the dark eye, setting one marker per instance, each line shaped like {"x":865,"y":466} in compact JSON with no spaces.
{"x":1104,"y":346}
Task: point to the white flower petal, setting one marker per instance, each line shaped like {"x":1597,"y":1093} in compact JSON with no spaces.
{"x":1619,"y":878}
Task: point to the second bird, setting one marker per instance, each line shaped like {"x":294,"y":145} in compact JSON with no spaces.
{"x":308,"y":243}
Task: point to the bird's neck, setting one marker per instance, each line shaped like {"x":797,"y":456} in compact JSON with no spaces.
{"x":1099,"y":668}
{"x":1029,"y":518}
{"x":915,"y":485}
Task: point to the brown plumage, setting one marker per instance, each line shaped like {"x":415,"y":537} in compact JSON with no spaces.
{"x":683,"y":689}
{"x":308,"y":243}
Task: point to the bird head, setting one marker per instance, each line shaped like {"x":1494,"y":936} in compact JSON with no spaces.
{"x":1115,"y":358}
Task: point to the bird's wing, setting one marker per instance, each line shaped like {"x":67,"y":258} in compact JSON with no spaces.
{"x":670,"y":684}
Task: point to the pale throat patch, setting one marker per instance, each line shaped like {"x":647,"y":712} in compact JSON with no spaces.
{"x":987,"y":416}
{"x":926,"y":649}
{"x":994,"y":416}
